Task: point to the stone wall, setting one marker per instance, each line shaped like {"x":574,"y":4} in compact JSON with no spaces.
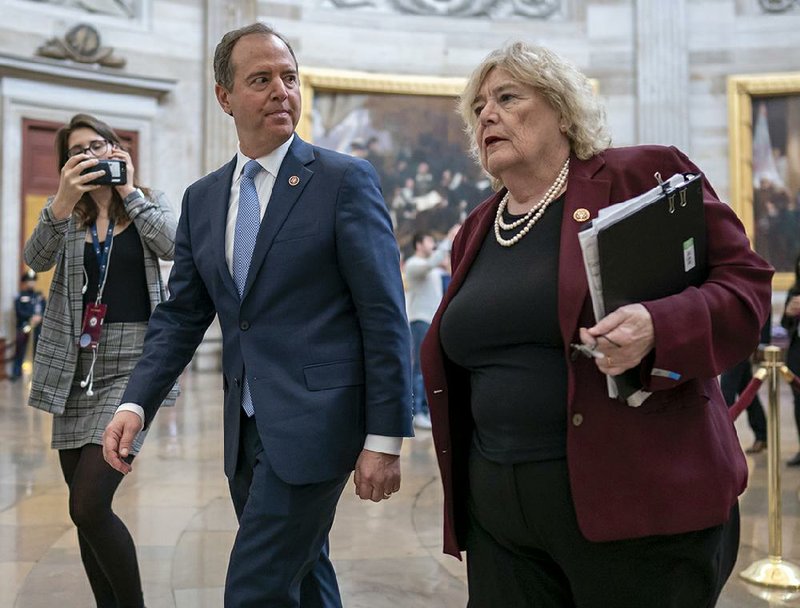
{"x":162,"y":45}
{"x":661,"y":66}
{"x":629,"y":46}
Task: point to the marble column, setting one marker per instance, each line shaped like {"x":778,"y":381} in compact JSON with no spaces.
{"x":219,"y":135}
{"x":662,"y":72}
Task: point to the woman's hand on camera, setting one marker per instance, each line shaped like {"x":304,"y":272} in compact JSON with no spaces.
{"x":119,"y":154}
{"x":72,"y":185}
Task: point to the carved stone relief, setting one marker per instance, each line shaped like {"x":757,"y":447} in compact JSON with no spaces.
{"x":778,"y":6}
{"x":118,"y":8}
{"x":534,"y":9}
{"x":82,"y":44}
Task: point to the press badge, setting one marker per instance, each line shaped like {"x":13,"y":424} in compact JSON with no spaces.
{"x":92,"y":325}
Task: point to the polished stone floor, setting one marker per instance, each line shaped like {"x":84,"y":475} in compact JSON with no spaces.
{"x":176,"y":505}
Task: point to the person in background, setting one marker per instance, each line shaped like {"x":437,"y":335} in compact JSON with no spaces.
{"x":29,"y":307}
{"x":105,"y":242}
{"x":735,"y":380}
{"x":560,"y":495}
{"x":424,"y":283}
{"x":423,"y":180}
{"x":791,"y":321}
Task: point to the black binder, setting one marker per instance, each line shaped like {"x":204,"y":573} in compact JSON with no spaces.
{"x":658,"y":249}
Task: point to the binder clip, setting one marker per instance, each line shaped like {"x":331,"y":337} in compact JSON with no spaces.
{"x":668,"y":192}
{"x":686,"y":178}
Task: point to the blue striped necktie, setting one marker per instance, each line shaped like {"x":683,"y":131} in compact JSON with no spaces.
{"x":248,"y":220}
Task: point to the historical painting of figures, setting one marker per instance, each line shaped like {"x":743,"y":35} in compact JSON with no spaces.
{"x":765,"y":165}
{"x":407,"y":127}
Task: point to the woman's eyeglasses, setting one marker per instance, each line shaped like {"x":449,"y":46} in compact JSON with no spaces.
{"x":95,"y":148}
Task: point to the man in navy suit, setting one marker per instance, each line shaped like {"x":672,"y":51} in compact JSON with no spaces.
{"x":316,"y":348}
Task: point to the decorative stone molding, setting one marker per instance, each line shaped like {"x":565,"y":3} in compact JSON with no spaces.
{"x":534,"y":9}
{"x":82,"y":44}
{"x":82,"y":75}
{"x":778,"y":6}
{"x":127,"y":9}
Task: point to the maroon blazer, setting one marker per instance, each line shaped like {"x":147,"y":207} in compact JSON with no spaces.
{"x":672,"y":465}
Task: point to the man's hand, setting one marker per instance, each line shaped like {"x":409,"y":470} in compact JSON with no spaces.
{"x":118,"y":439}
{"x":377,"y":475}
{"x":624,"y":337}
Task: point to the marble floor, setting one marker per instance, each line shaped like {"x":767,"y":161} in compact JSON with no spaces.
{"x":177,"y":507}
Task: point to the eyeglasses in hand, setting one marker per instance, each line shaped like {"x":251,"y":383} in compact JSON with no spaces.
{"x":95,"y":148}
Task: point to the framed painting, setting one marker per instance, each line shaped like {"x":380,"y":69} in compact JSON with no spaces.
{"x":764,"y":128}
{"x":408,"y":128}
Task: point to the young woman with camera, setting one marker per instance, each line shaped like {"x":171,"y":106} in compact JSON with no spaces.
{"x":105,"y":237}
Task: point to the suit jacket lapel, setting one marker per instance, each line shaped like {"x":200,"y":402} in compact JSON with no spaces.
{"x":218,"y":197}
{"x":285,"y":193}
{"x":584,"y":191}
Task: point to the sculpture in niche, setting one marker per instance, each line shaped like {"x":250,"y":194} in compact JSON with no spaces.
{"x":778,"y":6}
{"x":117,"y":8}
{"x":536,"y":9}
{"x":82,"y":44}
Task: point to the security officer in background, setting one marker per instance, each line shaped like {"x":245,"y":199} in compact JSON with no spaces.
{"x":29,"y":307}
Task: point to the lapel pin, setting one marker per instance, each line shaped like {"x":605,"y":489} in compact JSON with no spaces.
{"x":294,"y":180}
{"x":581,"y":215}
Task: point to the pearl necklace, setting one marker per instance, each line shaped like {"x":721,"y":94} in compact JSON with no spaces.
{"x":532,"y":216}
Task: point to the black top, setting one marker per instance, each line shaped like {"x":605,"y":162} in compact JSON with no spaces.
{"x":502,"y":326}
{"x":125,"y":292}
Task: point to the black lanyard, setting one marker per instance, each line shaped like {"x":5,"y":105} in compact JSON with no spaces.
{"x":102,"y":256}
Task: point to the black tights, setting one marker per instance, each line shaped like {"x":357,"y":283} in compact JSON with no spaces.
{"x":107,"y":549}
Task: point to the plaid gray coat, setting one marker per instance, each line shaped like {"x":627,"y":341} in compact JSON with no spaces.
{"x":61,"y":243}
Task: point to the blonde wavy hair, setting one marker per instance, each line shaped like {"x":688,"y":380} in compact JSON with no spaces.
{"x":567,"y":90}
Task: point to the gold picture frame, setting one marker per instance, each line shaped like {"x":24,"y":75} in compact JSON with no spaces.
{"x":743,"y":92}
{"x":313,"y":80}
{"x":408,"y":128}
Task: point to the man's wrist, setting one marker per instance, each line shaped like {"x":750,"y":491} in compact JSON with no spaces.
{"x":384,"y":444}
{"x":132,"y":407}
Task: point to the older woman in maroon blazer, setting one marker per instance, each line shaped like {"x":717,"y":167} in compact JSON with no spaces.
{"x":560,"y":495}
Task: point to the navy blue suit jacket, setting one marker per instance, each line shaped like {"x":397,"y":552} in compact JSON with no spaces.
{"x":321,"y":328}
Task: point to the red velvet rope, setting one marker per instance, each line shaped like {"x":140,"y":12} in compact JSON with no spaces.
{"x":795,"y":383}
{"x":746,"y":397}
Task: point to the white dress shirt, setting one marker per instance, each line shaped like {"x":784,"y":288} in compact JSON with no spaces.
{"x":264,"y":182}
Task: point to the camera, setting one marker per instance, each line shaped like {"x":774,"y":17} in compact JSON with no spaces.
{"x":115,"y":173}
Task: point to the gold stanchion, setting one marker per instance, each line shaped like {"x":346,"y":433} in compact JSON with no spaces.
{"x":773,"y":571}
